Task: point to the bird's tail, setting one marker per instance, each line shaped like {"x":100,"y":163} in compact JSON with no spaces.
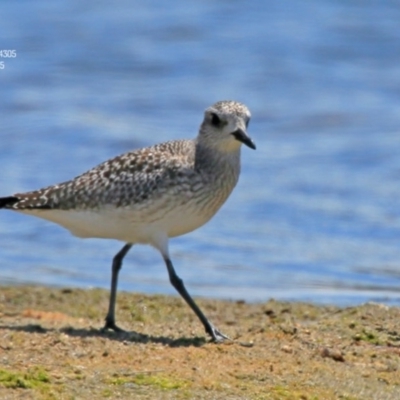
{"x":8,"y":202}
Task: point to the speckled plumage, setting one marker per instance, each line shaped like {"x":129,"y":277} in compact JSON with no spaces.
{"x":127,"y":180}
{"x":151,"y":194}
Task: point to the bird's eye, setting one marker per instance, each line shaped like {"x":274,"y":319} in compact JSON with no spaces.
{"x":215,"y":120}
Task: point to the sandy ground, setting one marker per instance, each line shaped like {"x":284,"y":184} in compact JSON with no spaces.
{"x":51,"y":348}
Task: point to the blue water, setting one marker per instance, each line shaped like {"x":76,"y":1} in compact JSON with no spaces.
{"x":316,"y":214}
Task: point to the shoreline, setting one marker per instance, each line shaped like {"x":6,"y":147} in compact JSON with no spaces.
{"x":51,"y":348}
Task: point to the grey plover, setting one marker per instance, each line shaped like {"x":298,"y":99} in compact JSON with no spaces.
{"x":149,"y":195}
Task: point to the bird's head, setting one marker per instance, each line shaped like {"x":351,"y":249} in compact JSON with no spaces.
{"x":225,"y":126}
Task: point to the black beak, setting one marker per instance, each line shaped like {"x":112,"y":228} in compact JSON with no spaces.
{"x":242,"y":136}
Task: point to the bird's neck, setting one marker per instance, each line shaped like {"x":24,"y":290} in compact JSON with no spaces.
{"x":212,"y":161}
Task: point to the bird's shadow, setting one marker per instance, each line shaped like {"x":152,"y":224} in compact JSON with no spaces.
{"x":124,"y":336}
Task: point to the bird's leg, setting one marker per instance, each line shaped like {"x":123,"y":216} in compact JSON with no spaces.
{"x":116,"y":266}
{"x":177,"y":283}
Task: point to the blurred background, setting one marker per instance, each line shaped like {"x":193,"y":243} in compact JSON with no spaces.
{"x":316,"y":214}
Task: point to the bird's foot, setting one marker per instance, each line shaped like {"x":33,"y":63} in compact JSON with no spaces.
{"x":110,"y":324}
{"x":216,"y":335}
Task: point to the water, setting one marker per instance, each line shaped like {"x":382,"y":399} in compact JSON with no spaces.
{"x":315,"y":215}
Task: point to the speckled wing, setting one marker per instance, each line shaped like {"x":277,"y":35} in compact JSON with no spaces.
{"x":124,"y":181}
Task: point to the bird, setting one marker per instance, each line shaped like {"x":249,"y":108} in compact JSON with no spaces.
{"x":150,"y":195}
